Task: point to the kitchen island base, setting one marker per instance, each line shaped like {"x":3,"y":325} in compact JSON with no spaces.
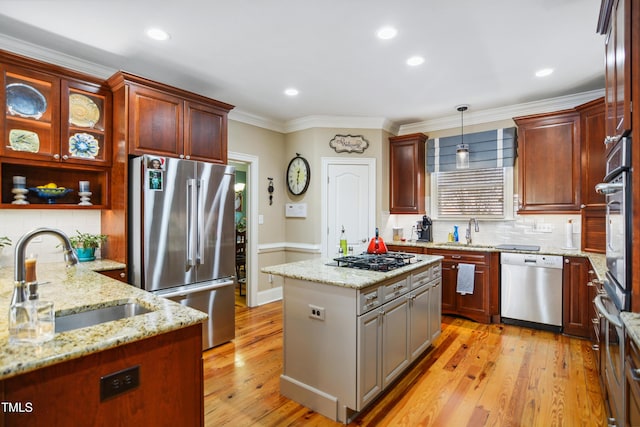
{"x":344,"y":344}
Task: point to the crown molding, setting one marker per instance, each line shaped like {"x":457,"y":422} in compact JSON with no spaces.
{"x":309,"y":122}
{"x":239,"y":115}
{"x":51,"y":56}
{"x":503,"y":113}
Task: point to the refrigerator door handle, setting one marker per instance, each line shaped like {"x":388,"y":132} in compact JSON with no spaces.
{"x":194,"y":289}
{"x":192,"y":222}
{"x":200,"y":231}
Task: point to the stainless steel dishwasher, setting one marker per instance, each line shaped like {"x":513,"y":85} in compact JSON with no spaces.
{"x":531,"y":290}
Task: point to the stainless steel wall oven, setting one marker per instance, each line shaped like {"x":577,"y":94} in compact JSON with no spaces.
{"x":617,"y":283}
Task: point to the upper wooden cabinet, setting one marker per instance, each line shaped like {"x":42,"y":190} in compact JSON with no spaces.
{"x":593,"y":208}
{"x":407,"y":174}
{"x":50,"y":117}
{"x":549,"y":162}
{"x":615,"y":23}
{"x":153,"y":118}
{"x":56,"y":127}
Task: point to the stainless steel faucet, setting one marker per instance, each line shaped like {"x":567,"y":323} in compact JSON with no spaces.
{"x":468,"y":234}
{"x":70,"y":258}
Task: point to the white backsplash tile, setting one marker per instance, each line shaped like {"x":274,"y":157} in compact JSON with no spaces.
{"x":15,"y":223}
{"x":542,"y":230}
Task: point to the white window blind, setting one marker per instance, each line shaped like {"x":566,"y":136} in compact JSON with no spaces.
{"x":471,"y":192}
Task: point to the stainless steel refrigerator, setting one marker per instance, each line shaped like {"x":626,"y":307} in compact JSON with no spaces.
{"x":182,"y":237}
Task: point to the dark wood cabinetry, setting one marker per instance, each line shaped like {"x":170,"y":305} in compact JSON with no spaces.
{"x":632,"y":382}
{"x":69,"y":393}
{"x":593,"y":207}
{"x":549,"y":162}
{"x":170,"y":122}
{"x":117,"y":274}
{"x":483,"y":304}
{"x":407,"y":174}
{"x":576,"y":312}
{"x":56,"y":125}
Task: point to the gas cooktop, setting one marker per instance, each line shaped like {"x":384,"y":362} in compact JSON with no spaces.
{"x":376,"y":262}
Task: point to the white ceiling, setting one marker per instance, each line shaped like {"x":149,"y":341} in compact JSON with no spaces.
{"x":246,"y":52}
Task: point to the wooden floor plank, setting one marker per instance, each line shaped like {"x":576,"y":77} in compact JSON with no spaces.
{"x":473,"y":375}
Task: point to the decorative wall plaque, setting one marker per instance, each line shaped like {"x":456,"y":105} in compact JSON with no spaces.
{"x":349,"y":143}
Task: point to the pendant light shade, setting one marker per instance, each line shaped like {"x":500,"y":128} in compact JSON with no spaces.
{"x":462,"y":150}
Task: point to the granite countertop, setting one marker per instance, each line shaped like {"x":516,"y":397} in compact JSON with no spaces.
{"x":76,"y":289}
{"x":598,"y":261}
{"x":322,"y":270}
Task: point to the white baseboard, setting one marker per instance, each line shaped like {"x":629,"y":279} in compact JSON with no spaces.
{"x":270,"y":295}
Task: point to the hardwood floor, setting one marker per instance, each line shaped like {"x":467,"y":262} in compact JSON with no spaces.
{"x":473,"y":375}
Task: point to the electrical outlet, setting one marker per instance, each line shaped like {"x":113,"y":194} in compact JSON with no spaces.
{"x":119,"y":382}
{"x":316,"y":312}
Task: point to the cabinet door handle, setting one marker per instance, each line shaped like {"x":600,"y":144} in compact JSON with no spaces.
{"x":65,"y":157}
{"x":456,"y":256}
{"x":181,"y":156}
{"x":187,"y":157}
{"x":122,"y":275}
{"x":595,"y":347}
{"x":56,"y":156}
{"x":635,"y":374}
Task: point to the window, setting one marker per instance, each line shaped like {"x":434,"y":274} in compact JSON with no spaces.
{"x":481,"y":193}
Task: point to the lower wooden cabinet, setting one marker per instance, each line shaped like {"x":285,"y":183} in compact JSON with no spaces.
{"x":69,"y":393}
{"x":576,"y":311}
{"x":483,"y":305}
{"x":632,"y":383}
{"x":118,"y":274}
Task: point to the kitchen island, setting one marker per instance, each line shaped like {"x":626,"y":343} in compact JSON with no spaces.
{"x":140,"y":370}
{"x":350,"y":333}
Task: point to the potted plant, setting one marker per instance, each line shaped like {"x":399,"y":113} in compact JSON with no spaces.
{"x":85,"y":245}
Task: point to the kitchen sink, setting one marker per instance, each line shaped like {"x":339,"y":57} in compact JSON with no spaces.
{"x":97,"y":316}
{"x":464,"y":245}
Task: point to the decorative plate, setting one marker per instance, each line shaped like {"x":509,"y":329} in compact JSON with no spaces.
{"x":83,"y":111}
{"x":25,"y":101}
{"x":83,"y":145}
{"x":24,"y":140}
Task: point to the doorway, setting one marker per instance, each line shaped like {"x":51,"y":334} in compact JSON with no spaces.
{"x":349,"y":199}
{"x":246,"y":220}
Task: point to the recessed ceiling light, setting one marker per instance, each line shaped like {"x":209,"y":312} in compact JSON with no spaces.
{"x":544,"y":72}
{"x":415,"y":60}
{"x":386,"y":33}
{"x":291,"y":92}
{"x":157,"y":34}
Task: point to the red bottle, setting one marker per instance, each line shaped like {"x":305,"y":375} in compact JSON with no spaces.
{"x":377,"y":245}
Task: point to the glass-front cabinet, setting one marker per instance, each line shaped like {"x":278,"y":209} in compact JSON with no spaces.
{"x":50,"y":118}
{"x":56,"y":130}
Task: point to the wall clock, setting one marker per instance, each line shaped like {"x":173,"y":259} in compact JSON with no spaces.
{"x":298,"y":175}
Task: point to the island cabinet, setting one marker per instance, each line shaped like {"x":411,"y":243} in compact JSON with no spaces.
{"x":632,"y":382}
{"x":343,"y":346}
{"x":159,"y":378}
{"x":549,"y":162}
{"x":483,"y":304}
{"x":56,"y":124}
{"x":159,"y":119}
{"x":407,"y":174}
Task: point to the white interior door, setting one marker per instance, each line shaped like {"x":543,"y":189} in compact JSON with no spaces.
{"x":349,"y":198}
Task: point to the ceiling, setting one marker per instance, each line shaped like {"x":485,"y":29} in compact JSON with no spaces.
{"x":246,"y":53}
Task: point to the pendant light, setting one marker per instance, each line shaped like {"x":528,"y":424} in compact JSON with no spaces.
{"x":462,"y":149}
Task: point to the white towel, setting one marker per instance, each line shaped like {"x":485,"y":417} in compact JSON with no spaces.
{"x":466,"y":273}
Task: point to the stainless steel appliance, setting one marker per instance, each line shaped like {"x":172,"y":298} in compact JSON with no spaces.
{"x":613,"y":359}
{"x":425,"y":232}
{"x":617,"y":283}
{"x":183,"y":237}
{"x":531,"y":290}
{"x":376,"y":262}
{"x":617,"y":190}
